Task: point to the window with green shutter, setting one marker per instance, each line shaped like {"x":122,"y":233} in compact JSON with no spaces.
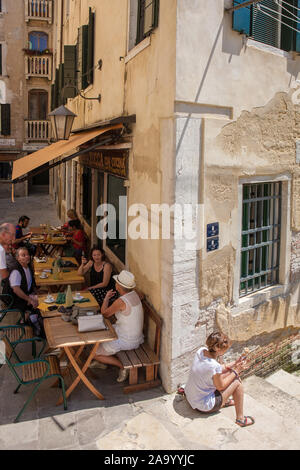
{"x":61,"y":99}
{"x":69,"y":71}
{"x":90,"y":50}
{"x":270,"y":22}
{"x":82,"y":58}
{"x":148,"y":13}
{"x":5,"y":119}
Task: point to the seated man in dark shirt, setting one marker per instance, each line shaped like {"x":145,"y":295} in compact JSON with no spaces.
{"x":22,"y":240}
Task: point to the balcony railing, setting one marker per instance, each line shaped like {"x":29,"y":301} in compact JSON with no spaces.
{"x":37,"y":131}
{"x":38,"y":10}
{"x":38,"y":66}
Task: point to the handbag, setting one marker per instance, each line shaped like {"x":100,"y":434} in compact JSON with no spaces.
{"x":91,"y":323}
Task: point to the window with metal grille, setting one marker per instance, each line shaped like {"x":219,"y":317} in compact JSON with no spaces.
{"x":261,"y":222}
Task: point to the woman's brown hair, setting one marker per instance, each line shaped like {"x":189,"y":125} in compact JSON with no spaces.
{"x":217,"y":339}
{"x":96,"y":248}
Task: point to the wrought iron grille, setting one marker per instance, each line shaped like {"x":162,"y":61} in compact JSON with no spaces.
{"x":260,"y":248}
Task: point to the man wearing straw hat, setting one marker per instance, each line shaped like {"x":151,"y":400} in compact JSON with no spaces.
{"x":128,"y":310}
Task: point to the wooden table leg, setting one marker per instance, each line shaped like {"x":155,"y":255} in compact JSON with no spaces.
{"x":81,"y":374}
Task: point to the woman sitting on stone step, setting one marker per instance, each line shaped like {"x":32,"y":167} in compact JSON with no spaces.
{"x":210,"y":384}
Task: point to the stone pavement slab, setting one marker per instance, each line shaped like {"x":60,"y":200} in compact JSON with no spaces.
{"x":140,"y":433}
{"x":39,"y":207}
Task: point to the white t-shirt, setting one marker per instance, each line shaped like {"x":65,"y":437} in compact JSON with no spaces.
{"x":200,"y":389}
{"x":15,"y":278}
{"x":2,"y":258}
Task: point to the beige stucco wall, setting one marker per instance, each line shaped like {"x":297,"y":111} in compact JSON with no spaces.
{"x":211,"y":109}
{"x":234,"y":111}
{"x":125,"y":90}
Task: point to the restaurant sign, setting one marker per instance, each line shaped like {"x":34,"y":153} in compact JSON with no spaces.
{"x":113,"y":162}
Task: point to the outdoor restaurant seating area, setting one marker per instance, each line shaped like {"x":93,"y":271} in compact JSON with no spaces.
{"x":58,"y":348}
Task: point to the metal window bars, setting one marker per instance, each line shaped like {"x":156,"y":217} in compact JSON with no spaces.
{"x":260,"y":247}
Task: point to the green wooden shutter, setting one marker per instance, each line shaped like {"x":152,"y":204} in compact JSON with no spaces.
{"x":82,"y":57}
{"x":288,"y":36}
{"x":241,"y":19}
{"x":297,"y":35}
{"x":70,"y":71}
{"x":56,"y":89}
{"x":148,"y":15}
{"x":5,"y":119}
{"x":264,"y":28}
{"x":52,"y":96}
{"x":60,"y":84}
{"x":91,"y":37}
{"x":151,"y":10}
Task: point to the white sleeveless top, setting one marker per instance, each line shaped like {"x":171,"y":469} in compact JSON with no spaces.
{"x":129,"y":325}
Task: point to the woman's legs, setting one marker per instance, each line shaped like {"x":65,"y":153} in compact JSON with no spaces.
{"x":236,"y":390}
{"x":111,"y":360}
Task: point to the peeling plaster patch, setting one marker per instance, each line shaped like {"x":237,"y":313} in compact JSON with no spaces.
{"x":266,"y":132}
{"x":219,"y":274}
{"x":296,"y":196}
{"x":295,"y":258}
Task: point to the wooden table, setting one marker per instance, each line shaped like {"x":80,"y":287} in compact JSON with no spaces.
{"x":50,"y":246}
{"x":49,"y":263}
{"x":41,"y":230}
{"x":57,"y":284}
{"x":51,"y":314}
{"x":64,"y":335}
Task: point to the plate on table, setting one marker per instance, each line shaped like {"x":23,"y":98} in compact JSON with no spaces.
{"x":78,"y":298}
{"x":48,"y":301}
{"x":44,"y":277}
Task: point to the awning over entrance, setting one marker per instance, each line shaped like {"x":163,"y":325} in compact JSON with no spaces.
{"x":26,"y":165}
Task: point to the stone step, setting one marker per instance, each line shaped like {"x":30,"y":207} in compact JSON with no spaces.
{"x":273,"y":431}
{"x":286,"y":382}
{"x":220,"y":432}
{"x":274,"y":398}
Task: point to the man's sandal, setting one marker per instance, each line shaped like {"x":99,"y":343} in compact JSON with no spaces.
{"x":244,"y":422}
{"x":229,"y":402}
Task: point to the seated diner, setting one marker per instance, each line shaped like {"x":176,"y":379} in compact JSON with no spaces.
{"x":77,"y":241}
{"x":72,"y":215}
{"x":21,"y":284}
{"x":128,"y":311}
{"x":100,"y":274}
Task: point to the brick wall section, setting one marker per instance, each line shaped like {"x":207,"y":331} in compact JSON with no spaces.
{"x":264,"y":360}
{"x":295,"y":258}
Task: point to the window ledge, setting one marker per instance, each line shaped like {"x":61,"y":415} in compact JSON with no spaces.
{"x":252,"y":300}
{"x":138,"y":48}
{"x":266,"y":48}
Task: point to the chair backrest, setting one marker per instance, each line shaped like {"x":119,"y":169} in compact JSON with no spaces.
{"x":152,"y":326}
{"x":9,"y":351}
{"x":6,"y":301}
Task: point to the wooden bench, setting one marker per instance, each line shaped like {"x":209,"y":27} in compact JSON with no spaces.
{"x":143,"y":362}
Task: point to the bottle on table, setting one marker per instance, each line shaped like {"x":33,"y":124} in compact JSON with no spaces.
{"x":56,"y":270}
{"x":69,"y":297}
